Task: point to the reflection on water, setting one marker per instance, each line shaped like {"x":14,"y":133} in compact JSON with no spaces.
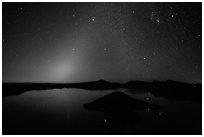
{"x":61,"y":111}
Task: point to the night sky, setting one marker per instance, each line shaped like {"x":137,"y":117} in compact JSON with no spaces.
{"x":76,"y":42}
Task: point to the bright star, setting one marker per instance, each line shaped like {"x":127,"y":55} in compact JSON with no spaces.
{"x":133,"y":12}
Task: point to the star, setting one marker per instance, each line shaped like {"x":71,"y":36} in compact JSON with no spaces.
{"x":148,"y":109}
{"x":21,"y":10}
{"x":198,"y":35}
{"x":93,"y":19}
{"x":73,"y":50}
{"x":133,"y":12}
{"x":105,"y":49}
{"x":105,"y":120}
{"x":147,"y":98}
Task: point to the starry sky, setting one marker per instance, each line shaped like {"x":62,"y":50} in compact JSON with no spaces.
{"x":76,"y":42}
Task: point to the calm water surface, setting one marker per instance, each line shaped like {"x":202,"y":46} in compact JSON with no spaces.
{"x":61,"y":111}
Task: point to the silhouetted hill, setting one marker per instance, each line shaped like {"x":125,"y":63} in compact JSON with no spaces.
{"x":119,"y":110}
{"x":117,"y":101}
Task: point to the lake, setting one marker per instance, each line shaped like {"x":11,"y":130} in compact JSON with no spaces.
{"x":61,"y":111}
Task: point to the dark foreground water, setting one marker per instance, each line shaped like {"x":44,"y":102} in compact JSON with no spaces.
{"x":61,"y":111}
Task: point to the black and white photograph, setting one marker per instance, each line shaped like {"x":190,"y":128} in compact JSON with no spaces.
{"x":101,"y":68}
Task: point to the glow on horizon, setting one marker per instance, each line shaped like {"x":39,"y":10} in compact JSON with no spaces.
{"x":61,"y":71}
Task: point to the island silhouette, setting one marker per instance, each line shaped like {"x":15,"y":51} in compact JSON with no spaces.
{"x":120,"y":110}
